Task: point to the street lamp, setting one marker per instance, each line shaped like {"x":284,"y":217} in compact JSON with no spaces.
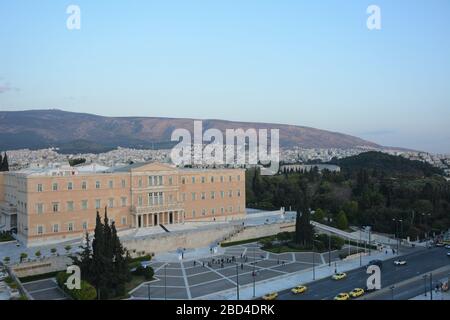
{"x":329,"y":249}
{"x":237,"y":280}
{"x":165,"y":282}
{"x":254,"y":273}
{"x":425,"y":284}
{"x":392,"y":292}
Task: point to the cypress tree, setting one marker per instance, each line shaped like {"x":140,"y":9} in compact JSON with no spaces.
{"x":98,"y":260}
{"x":120,"y":272}
{"x":5,"y":165}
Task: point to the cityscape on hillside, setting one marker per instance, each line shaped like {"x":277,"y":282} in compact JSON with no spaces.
{"x":24,"y":158}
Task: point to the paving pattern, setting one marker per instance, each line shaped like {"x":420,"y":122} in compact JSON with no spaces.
{"x":46,"y":289}
{"x":243,"y":263}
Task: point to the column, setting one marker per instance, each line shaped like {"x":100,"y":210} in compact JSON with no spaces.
{"x":136,"y":225}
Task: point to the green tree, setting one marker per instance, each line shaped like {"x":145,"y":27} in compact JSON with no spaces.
{"x":23,"y":256}
{"x":341,"y":221}
{"x":37,"y":254}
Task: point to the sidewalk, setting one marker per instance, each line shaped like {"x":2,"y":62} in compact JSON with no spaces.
{"x":290,"y":280}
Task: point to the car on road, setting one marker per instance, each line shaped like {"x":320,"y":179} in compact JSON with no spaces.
{"x":400,"y":262}
{"x":339,"y":276}
{"x":440,"y":244}
{"x":342,"y":296}
{"x":270,"y":296}
{"x":357,"y":292}
{"x":447,"y":246}
{"x":448,"y":254}
{"x":299,"y":289}
{"x":378,"y":263}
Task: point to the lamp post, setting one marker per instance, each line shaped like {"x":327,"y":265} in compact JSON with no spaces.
{"x":237,"y":281}
{"x":329,"y":249}
{"x":165,"y":282}
{"x":392,"y":292}
{"x":314,"y":261}
{"x":357,"y":249}
{"x":425,"y":284}
{"x":431,"y":286}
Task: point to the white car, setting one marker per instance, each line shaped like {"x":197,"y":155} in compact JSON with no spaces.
{"x":447,"y":246}
{"x":448,"y":254}
{"x":400,"y":262}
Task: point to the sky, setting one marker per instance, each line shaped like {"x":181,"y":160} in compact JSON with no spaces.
{"x":310,"y":63}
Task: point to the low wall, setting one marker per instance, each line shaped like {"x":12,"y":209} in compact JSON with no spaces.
{"x":266,"y":230}
{"x":171,"y":241}
{"x":47,"y":265}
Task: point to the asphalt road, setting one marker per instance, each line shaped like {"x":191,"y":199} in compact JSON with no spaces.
{"x":419,"y":261}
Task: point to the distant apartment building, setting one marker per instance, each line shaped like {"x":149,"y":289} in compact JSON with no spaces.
{"x":53,"y":204}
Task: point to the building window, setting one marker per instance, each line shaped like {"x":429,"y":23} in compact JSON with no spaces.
{"x":97,"y":204}
{"x":140,"y":201}
{"x":40,"y":229}
{"x":56,"y":228}
{"x":193,"y":196}
{"x":124,"y":201}
{"x":193,"y":213}
{"x":70,"y":206}
{"x":230,"y":209}
{"x":221,"y":178}
{"x":239,"y":193}
{"x":111,"y":202}
{"x":140,"y":182}
{"x":203,"y":196}
{"x":97,"y":184}
{"x":70,"y":226}
{"x":170,"y":181}
{"x":203,"y":212}
{"x":212,"y":179}
{"x":55,"y":186}
{"x":183,"y":196}
{"x":111,"y":184}
{"x":39,"y":188}
{"x":124,"y":221}
{"x":230,"y":193}
{"x":39,"y":208}
{"x":229,"y":178}
{"x":161,"y":201}
{"x":238,"y":178}
{"x":213,"y":212}
{"x":183,"y":180}
{"x":150,"y":181}
{"x":84,"y":185}
{"x":222,"y":194}
{"x":55,"y":206}
{"x":123,"y":183}
{"x":170,"y":198}
{"x":222,"y":210}
{"x":70,"y":186}
{"x":193,"y":179}
{"x":151,"y":200}
{"x":213,"y":195}
{"x":85,"y":225}
{"x":84,"y":204}
{"x":203,"y":179}
{"x":160,"y":180}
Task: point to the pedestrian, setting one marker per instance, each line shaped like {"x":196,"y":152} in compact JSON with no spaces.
{"x":242,"y":266}
{"x":194,"y":263}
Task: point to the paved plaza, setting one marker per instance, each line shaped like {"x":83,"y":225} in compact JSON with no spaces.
{"x":46,"y":289}
{"x":197,"y":278}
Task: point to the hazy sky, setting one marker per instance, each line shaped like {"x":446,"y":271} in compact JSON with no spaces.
{"x":310,"y":63}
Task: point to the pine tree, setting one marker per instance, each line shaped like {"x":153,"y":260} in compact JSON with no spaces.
{"x":5,"y":165}
{"x":121,"y":273}
{"x":98,"y":260}
{"x":84,"y":260}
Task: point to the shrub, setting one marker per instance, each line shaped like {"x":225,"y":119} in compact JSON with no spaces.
{"x":86,"y":292}
{"x":147,"y":272}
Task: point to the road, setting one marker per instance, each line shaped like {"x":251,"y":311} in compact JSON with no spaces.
{"x":419,"y":261}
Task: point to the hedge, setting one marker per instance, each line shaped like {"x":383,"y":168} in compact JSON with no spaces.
{"x":87,"y":291}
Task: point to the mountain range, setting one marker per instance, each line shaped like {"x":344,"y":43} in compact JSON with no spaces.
{"x":81,"y":132}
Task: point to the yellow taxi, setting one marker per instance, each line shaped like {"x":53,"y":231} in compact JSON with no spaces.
{"x":342,"y":296}
{"x":339,"y":276}
{"x":357,"y":292}
{"x":270,"y":296}
{"x":299,"y":289}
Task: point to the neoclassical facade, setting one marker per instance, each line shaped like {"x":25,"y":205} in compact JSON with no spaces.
{"x":54,"y":204}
